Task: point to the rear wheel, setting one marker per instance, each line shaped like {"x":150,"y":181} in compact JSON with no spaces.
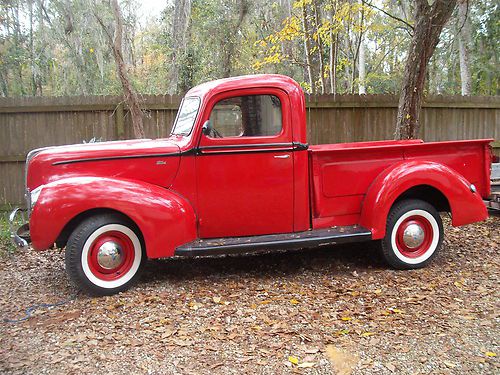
{"x":105,"y":254}
{"x":414,"y":234}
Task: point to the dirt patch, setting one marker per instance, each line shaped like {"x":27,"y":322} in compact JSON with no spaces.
{"x":319,"y":311}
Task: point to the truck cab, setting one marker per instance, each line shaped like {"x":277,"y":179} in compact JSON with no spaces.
{"x":249,"y":147}
{"x":237,"y":175}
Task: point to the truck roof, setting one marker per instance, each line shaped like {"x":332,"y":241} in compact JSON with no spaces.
{"x":279,"y":81}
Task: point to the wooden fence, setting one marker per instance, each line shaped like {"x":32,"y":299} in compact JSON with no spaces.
{"x":28,"y":123}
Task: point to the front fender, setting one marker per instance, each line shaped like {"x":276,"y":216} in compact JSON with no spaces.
{"x":166,"y":220}
{"x":466,"y":206}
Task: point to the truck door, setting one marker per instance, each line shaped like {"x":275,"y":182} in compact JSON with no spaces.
{"x":244,"y":165}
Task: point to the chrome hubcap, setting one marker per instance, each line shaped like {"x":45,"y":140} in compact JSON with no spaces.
{"x":413,"y":236}
{"x":109,"y":255}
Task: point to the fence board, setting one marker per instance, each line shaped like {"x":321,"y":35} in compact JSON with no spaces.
{"x":28,"y":123}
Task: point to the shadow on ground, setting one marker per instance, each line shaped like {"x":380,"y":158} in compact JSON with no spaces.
{"x":341,"y":258}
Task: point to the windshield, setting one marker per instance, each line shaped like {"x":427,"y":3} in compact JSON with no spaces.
{"x":187,"y":114}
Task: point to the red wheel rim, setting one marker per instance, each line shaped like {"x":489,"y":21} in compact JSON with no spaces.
{"x":127,"y":255}
{"x":422,"y":248}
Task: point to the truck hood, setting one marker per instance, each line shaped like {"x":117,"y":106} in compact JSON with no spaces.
{"x":152,"y":161}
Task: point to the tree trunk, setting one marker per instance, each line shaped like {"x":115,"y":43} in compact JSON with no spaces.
{"x":333,"y":54}
{"x":32,"y":50}
{"x":17,"y":42}
{"x":464,"y":42}
{"x":229,"y":50}
{"x":130,"y":95}
{"x":319,"y":44}
{"x":429,"y":21}
{"x":307,"y":48}
{"x":179,"y":31}
{"x":361,"y":68}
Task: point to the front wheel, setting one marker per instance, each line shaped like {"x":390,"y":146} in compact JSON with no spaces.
{"x":414,"y":234}
{"x":104,"y":255}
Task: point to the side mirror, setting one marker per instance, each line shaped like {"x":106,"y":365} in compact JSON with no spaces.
{"x":206,"y":128}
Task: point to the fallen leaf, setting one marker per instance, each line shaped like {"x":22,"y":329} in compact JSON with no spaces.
{"x":168,"y":332}
{"x":390,"y":367}
{"x":396,"y":311}
{"x":449,"y":364}
{"x":294,"y":302}
{"x":293,"y":360}
{"x":306,"y":364}
{"x":490,"y":354}
{"x":341,"y":361}
{"x":311,"y":350}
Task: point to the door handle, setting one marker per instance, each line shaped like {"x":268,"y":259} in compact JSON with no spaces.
{"x":281,"y":156}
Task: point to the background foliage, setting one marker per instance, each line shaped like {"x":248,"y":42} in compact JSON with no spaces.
{"x":56,"y":47}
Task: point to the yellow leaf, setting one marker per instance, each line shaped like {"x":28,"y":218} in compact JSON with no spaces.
{"x":366,"y":334}
{"x":216,"y":299}
{"x":490,"y":354}
{"x":267,"y":301}
{"x":293,"y":360}
{"x":346,"y":318}
{"x":343,"y":332}
{"x":294,"y":302}
{"x":396,"y":311}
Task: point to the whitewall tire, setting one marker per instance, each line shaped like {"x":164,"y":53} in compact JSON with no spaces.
{"x":105,"y":254}
{"x":414,"y":234}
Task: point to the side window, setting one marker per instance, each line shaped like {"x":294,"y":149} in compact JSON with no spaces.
{"x":246,"y":116}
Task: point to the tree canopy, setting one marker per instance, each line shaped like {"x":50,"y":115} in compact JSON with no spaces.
{"x":58,"y":47}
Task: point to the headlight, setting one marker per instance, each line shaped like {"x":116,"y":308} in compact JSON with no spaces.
{"x":34,"y":195}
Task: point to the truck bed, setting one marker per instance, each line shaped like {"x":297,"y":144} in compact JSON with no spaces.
{"x":342,"y":173}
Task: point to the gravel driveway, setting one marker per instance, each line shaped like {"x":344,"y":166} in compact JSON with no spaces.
{"x":321,"y":311}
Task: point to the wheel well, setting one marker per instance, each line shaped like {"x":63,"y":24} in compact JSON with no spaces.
{"x":428,"y":194}
{"x":62,"y":239}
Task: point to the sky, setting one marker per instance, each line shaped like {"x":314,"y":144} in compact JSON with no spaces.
{"x":151,"y":8}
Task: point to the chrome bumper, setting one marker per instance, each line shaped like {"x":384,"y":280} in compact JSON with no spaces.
{"x":20,"y":237}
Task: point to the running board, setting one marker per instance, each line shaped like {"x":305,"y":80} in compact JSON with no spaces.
{"x":241,"y":245}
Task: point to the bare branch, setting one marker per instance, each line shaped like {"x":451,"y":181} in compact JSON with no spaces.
{"x":390,"y":15}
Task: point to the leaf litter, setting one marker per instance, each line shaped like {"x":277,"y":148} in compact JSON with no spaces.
{"x":333,"y":310}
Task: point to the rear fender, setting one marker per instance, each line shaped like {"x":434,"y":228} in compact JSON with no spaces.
{"x":466,"y":206}
{"x":165,"y":219}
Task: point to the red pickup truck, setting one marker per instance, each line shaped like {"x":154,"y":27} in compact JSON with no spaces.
{"x":237,"y":175}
